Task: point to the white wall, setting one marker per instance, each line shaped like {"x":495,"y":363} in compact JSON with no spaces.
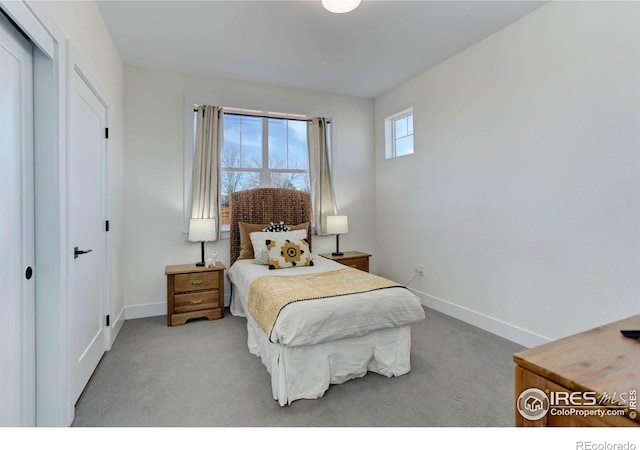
{"x":155,"y":109}
{"x":522,"y":199}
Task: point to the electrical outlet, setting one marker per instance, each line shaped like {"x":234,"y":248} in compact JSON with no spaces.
{"x":420,"y":270}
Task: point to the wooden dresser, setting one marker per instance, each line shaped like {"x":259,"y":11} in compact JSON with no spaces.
{"x":588,"y":379}
{"x":194,"y":292}
{"x":357,"y":260}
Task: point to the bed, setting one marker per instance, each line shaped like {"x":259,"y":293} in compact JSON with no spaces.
{"x":314,"y":340}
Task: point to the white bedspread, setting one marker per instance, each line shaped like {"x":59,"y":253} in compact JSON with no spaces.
{"x":308,"y":371}
{"x":318,"y":321}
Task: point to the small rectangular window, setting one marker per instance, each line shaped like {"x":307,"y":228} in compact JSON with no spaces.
{"x":399,"y":134}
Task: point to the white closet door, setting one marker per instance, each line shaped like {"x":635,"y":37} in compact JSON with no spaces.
{"x":17,"y":241}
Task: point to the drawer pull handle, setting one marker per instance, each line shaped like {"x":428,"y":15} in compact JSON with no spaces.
{"x":195,"y":282}
{"x":197,"y":302}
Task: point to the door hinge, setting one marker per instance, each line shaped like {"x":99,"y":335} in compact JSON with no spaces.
{"x":106,"y":225}
{"x":107,"y":319}
{"x":106,"y":133}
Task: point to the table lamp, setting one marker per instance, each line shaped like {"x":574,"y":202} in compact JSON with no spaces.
{"x":337,"y":225}
{"x":202,"y":230}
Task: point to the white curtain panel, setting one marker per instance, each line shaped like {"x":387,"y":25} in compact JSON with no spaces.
{"x":206,"y":164}
{"x":322,"y":195}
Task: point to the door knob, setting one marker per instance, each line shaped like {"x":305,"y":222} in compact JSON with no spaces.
{"x":77,"y":252}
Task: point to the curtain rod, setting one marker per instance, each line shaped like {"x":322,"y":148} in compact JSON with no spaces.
{"x":262,"y":116}
{"x":265,"y":116}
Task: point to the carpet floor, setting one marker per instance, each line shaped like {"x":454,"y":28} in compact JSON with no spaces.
{"x":202,"y":375}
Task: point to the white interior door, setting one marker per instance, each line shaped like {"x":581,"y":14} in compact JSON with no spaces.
{"x":17,"y":241}
{"x":86,"y":208}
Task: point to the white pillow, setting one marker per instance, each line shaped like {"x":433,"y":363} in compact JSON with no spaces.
{"x":259,"y":238}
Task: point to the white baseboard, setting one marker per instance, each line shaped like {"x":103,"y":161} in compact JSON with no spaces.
{"x":498,"y":327}
{"x":153,"y":309}
{"x":116,"y":326}
{"x":146,"y":310}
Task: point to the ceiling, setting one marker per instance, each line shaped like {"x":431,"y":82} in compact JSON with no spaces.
{"x":364,"y":53}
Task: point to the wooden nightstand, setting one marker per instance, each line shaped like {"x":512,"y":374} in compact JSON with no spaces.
{"x":194,"y":292}
{"x":357,"y":260}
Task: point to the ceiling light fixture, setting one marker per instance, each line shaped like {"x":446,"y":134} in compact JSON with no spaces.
{"x":340,"y":6}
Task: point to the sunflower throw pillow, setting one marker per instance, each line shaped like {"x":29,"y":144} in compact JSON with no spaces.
{"x":285,"y":253}
{"x":258,"y":239}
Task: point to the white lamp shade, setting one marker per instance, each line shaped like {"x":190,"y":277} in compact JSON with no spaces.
{"x":337,"y":224}
{"x":202,"y":230}
{"x":340,"y":6}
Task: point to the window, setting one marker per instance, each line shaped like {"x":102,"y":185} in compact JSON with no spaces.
{"x":260,"y":149}
{"x":399,"y":134}
{"x":262,"y":152}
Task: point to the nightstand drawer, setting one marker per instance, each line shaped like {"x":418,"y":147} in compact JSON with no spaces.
{"x":196,"y":281}
{"x":360,"y":263}
{"x":356,"y":260}
{"x":196,"y":301}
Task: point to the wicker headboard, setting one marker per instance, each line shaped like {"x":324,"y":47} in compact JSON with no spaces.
{"x":267,"y":205}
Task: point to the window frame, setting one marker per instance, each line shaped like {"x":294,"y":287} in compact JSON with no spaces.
{"x":265,"y":171}
{"x":191,"y":101}
{"x":390,"y":134}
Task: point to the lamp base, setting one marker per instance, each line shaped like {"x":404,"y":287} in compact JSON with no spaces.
{"x":337,"y":252}
{"x":201,"y":263}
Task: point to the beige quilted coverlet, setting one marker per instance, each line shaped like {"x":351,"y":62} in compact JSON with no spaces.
{"x":269,"y":294}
